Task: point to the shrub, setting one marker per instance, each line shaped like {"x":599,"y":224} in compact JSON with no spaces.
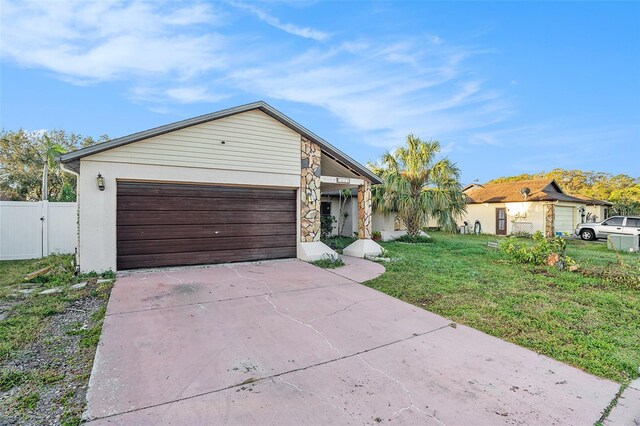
{"x":414,"y":239}
{"x":326,"y":226}
{"x":551,"y":251}
{"x":329,"y":262}
{"x":338,"y":243}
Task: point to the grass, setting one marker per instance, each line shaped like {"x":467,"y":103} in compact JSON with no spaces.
{"x":587,"y":318}
{"x":329,"y":263}
{"x":90,"y":337}
{"x":28,"y":401}
{"x":28,"y":316}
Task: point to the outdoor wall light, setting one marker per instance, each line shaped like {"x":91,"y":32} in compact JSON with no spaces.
{"x":100,"y":181}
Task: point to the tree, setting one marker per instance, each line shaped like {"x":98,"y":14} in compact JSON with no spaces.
{"x":598,"y":185}
{"x":418,"y":186}
{"x":626,"y":201}
{"x":344,"y":194}
{"x":26,"y":157}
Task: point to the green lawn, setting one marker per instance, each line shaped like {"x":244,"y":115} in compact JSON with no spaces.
{"x":591,"y":322}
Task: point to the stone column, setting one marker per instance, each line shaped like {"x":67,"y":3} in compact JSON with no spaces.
{"x":309,"y":192}
{"x":364,"y":210}
{"x":549,"y":221}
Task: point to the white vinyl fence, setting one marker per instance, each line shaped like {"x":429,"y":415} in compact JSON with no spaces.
{"x":31,"y":229}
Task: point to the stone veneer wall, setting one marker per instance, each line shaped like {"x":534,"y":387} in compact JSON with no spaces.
{"x":549,"y":221}
{"x":309,"y":191}
{"x":364,"y":210}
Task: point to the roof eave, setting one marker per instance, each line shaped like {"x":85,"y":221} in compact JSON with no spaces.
{"x":261,"y":105}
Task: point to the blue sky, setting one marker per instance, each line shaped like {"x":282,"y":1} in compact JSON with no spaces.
{"x":507,"y":87}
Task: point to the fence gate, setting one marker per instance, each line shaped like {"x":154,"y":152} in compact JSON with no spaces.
{"x":32,"y":229}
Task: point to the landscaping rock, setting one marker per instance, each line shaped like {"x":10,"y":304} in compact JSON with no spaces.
{"x":51,"y":290}
{"x":100,"y":281}
{"x":5,"y":309}
{"x":79,"y":285}
{"x":27,"y":290}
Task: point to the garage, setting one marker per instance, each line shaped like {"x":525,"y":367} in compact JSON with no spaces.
{"x":564,"y":219}
{"x":237,"y":185}
{"x":168,"y":224}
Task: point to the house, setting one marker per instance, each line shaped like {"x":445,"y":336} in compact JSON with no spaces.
{"x":241,"y":184}
{"x":595,"y":210}
{"x":524,"y":207}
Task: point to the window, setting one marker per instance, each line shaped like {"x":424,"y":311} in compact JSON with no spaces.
{"x":632,"y":222}
{"x":325,"y":208}
{"x":614,"y":221}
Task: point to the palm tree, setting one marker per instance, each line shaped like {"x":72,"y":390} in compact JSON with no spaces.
{"x":419,"y":186}
{"x":49,"y":151}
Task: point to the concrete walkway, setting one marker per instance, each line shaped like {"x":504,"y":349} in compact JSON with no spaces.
{"x":627,"y":410}
{"x":284,"y":342}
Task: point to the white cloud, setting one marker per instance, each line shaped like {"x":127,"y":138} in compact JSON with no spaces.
{"x":175,"y":95}
{"x":378,"y":96}
{"x":304,"y":32}
{"x":380,"y":88}
{"x":98,"y":41}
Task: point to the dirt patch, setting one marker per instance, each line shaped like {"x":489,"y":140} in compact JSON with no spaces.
{"x":45,"y":382}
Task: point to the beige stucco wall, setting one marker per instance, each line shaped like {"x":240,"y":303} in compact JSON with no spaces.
{"x":520,"y":213}
{"x":384,"y":222}
{"x":599,"y":211}
{"x":525,"y":212}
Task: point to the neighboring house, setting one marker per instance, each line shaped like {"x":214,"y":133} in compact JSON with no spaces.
{"x":524,"y":207}
{"x":595,"y":210}
{"x":240,"y":184}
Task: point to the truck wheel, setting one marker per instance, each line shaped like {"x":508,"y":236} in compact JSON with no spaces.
{"x":587,"y":235}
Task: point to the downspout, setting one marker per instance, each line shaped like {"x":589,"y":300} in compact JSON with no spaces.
{"x":64,"y":168}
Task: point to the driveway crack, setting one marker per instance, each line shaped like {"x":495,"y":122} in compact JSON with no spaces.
{"x":404,"y":388}
{"x":289,"y":317}
{"x":277,"y":375}
{"x":299,"y":389}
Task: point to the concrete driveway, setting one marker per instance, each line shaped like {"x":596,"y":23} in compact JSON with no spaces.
{"x":284,"y":342}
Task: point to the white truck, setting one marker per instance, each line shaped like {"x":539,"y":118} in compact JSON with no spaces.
{"x":616,"y":225}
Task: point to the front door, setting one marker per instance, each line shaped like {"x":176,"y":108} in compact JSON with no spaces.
{"x":501,"y":221}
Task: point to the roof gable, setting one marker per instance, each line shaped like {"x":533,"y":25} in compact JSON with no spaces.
{"x":72,"y":159}
{"x":509,"y":192}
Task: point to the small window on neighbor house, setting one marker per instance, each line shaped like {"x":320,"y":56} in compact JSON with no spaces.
{"x":325,"y":208}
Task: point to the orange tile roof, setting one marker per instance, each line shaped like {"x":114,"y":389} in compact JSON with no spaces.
{"x":509,"y":192}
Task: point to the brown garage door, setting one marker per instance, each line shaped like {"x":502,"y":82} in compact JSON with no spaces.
{"x":162,"y":224}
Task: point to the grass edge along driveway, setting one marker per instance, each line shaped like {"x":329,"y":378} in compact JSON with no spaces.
{"x":588,"y":319}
